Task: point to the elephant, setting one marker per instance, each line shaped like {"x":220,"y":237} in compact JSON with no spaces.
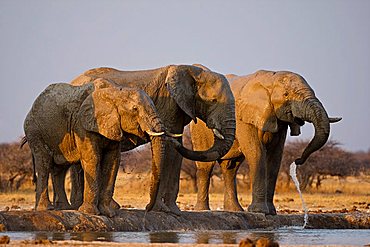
{"x":266,"y":102}
{"x":86,"y":124}
{"x":181,"y":93}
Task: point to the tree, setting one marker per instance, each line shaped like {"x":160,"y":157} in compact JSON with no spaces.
{"x":331,"y":160}
{"x":15,"y":166}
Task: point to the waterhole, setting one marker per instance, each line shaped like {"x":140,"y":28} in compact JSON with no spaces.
{"x":284,"y":236}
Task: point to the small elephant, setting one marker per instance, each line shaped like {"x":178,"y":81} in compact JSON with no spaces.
{"x":85,"y":124}
{"x":266,"y":103}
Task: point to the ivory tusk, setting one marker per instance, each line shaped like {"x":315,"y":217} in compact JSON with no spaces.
{"x":218,"y":134}
{"x":334,"y":119}
{"x":173,"y":135}
{"x":151,"y":133}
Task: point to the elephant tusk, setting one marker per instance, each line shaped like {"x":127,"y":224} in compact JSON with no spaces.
{"x":173,"y":135}
{"x":334,"y":119}
{"x":218,"y":134}
{"x":151,"y":133}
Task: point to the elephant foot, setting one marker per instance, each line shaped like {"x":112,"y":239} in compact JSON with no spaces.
{"x":89,"y":208}
{"x":174,"y":209}
{"x":75,"y":205}
{"x":158,"y":206}
{"x":266,"y":208}
{"x":107,"y":210}
{"x":233,"y":206}
{"x":114,"y":204}
{"x":44,"y":206}
{"x":62,"y":206}
{"x":202,"y":206}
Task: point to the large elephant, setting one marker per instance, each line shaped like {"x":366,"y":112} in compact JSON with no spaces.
{"x":86,"y":124}
{"x":267,"y":102}
{"x":181,"y":93}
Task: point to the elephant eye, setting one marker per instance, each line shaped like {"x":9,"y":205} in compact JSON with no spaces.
{"x":134,"y":108}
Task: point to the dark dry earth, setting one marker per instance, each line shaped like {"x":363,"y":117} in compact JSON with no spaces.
{"x":139,"y":220}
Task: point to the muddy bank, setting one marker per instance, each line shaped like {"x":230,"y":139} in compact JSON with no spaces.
{"x":138,"y":220}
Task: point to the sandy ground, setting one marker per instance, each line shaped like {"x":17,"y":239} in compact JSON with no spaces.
{"x":132,"y":192}
{"x":350,"y":195}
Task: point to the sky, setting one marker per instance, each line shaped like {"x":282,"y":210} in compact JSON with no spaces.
{"x":327,"y":42}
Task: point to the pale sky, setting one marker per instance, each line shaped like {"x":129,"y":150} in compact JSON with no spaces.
{"x":327,"y":42}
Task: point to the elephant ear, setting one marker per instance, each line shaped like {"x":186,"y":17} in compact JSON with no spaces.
{"x":99,"y":114}
{"x":180,"y":85}
{"x":254,"y":107}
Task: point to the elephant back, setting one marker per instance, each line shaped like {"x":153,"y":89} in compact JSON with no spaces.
{"x":53,"y":112}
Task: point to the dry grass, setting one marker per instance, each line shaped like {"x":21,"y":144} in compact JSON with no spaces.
{"x":132,"y":191}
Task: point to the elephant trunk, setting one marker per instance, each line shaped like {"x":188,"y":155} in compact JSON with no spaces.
{"x":222,"y":143}
{"x":153,"y":126}
{"x":314,"y":112}
{"x":158,"y":151}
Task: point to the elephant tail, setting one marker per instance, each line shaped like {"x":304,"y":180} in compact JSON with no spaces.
{"x":23,"y":141}
{"x":34,"y":179}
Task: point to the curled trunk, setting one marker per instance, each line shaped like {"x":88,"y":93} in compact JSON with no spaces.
{"x":220,"y":146}
{"x":315,"y":113}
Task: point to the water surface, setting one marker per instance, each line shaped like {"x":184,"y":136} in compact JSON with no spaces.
{"x":286,"y":236}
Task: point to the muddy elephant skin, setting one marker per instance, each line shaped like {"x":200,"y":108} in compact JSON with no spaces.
{"x":181,"y":93}
{"x":85,"y":124}
{"x":267,"y":103}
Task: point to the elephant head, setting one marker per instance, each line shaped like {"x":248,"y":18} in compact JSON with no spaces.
{"x":285,"y":97}
{"x":116,"y":112}
{"x":206,"y":95}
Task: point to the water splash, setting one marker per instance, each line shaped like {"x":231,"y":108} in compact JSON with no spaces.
{"x":293,"y":175}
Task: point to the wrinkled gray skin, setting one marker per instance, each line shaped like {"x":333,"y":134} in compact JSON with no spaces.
{"x":85,"y":124}
{"x":267,"y":103}
{"x":181,"y":93}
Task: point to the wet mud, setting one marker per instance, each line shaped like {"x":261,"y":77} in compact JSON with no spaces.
{"x":139,"y":220}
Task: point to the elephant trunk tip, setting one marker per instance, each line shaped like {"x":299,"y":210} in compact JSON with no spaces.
{"x":299,"y":161}
{"x":334,"y":119}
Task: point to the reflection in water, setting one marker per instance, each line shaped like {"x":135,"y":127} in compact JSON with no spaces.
{"x":212,"y":237}
{"x":93,"y":236}
{"x":286,"y":236}
{"x":256,"y":235}
{"x":163,"y":237}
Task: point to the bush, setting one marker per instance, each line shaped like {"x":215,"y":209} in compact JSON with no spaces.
{"x":331,"y":160}
{"x":15,"y":166}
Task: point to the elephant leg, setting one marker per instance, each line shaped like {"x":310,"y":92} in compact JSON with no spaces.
{"x":274,"y":157}
{"x":169,"y":181}
{"x":77,"y":185}
{"x":229,"y":169}
{"x":203,"y":176}
{"x":173,"y":180}
{"x":255,"y":154}
{"x":58,"y":174}
{"x":43,"y":162}
{"x":90,"y":162}
{"x":109,"y":170}
{"x":156,"y":202}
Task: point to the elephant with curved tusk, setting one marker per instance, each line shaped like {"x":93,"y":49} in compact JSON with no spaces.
{"x":86,"y":124}
{"x":181,"y":93}
{"x":267,"y":103}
